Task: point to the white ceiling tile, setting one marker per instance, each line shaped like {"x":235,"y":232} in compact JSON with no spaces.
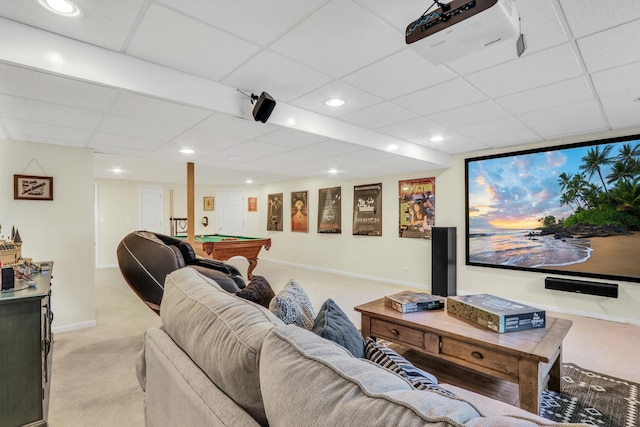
{"x":617,"y":80}
{"x":469,"y":114}
{"x":453,"y":142}
{"x":445,"y":96}
{"x":202,"y":141}
{"x":592,"y":16}
{"x":156,"y":110}
{"x":413,"y":127}
{"x":332,"y":39}
{"x":107,"y":141}
{"x":291,"y":138}
{"x":103,"y":24}
{"x":582,"y":116}
{"x":540,"y":26}
{"x":235,"y":126}
{"x":495,"y":133}
{"x":355,"y":99}
{"x":185,"y":44}
{"x":54,"y":89}
{"x":398,"y":74}
{"x":611,"y":48}
{"x":126,"y":126}
{"x":44,"y":112}
{"x":45,"y":132}
{"x":259,"y":22}
{"x":527,"y":72}
{"x":247,"y":151}
{"x":282,"y":78}
{"x":566,"y":92}
{"x":379,"y":115}
{"x":622,"y":109}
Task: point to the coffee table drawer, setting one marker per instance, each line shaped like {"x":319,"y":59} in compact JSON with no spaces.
{"x":403,"y":335}
{"x":480,"y":356}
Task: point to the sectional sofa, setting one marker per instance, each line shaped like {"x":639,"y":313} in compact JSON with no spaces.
{"x":221,"y":360}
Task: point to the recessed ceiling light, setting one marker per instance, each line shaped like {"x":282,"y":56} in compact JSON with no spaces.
{"x":249,"y":181}
{"x":117,"y":170}
{"x":437,"y":138}
{"x":61,"y":7}
{"x":392,"y":147}
{"x":334,"y":102}
{"x":187,"y":151}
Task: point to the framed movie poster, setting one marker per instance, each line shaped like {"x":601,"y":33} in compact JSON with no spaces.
{"x":367,"y":210}
{"x":299,"y":211}
{"x":417,"y":207}
{"x":330,"y":210}
{"x":274,"y":212}
{"x":29,"y":187}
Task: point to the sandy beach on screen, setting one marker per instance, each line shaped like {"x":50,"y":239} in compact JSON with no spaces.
{"x":616,"y":255}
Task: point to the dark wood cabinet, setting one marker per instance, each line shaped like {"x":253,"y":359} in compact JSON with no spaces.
{"x":25,"y":351}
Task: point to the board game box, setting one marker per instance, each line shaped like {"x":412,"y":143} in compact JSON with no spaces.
{"x":498,"y":314}
{"x":408,"y":301}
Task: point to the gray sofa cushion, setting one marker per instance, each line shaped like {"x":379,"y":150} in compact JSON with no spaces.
{"x":222,"y":333}
{"x":308,"y":381}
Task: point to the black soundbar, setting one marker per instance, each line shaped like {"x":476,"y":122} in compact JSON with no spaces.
{"x":592,"y":288}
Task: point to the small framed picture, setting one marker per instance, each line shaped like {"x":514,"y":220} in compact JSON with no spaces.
{"x":208,"y":203}
{"x":30,"y":187}
{"x":253,"y":204}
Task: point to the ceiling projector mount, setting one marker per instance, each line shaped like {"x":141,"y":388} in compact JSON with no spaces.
{"x":462,"y":27}
{"x":264,"y":105}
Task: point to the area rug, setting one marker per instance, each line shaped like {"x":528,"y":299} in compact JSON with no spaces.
{"x":592,"y":398}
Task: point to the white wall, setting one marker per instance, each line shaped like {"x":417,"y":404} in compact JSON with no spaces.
{"x":60,"y":230}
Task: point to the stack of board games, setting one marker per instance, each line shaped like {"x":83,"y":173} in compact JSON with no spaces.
{"x":408,"y":301}
{"x":498,"y":314}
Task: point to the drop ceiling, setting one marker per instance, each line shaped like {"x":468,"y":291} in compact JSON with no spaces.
{"x":135,"y":81}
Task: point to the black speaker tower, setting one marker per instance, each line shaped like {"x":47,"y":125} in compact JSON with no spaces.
{"x":443,"y":261}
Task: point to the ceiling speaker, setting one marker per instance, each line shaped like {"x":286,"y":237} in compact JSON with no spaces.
{"x":263,"y":108}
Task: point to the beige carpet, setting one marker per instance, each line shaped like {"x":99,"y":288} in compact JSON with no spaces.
{"x":94,"y":383}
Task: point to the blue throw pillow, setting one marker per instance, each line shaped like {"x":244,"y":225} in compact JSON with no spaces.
{"x":333,"y":324}
{"x":388,"y":358}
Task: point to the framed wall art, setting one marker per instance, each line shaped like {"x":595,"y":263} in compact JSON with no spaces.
{"x":330,"y":210}
{"x":31,"y":187}
{"x":208,"y":203}
{"x":417,"y":207}
{"x":299,"y":211}
{"x":274,"y":212}
{"x":252,"y":204}
{"x":569,"y":209}
{"x":367,"y":210}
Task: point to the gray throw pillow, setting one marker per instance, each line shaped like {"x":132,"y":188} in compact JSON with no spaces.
{"x":333,"y":324}
{"x":293,"y":307}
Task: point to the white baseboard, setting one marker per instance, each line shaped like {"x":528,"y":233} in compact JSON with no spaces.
{"x":74,"y":326}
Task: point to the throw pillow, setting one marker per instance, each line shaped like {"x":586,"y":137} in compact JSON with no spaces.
{"x":258,"y":290}
{"x":333,"y":324}
{"x":293,"y":307}
{"x":388,"y":358}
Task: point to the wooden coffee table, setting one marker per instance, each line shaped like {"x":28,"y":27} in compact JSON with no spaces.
{"x":531,"y":358}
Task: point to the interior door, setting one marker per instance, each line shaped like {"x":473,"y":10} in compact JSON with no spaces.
{"x":151,"y":208}
{"x":230,"y":212}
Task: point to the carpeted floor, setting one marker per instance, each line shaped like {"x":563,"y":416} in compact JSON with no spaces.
{"x":592,"y":398}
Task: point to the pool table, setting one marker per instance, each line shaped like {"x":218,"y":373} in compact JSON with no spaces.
{"x":223,"y":247}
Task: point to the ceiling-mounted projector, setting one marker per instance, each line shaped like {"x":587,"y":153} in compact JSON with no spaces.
{"x":462,"y":27}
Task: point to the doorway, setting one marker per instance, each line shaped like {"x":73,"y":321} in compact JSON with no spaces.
{"x":230,"y":212}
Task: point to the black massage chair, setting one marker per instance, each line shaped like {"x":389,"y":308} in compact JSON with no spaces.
{"x":145,"y":258}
